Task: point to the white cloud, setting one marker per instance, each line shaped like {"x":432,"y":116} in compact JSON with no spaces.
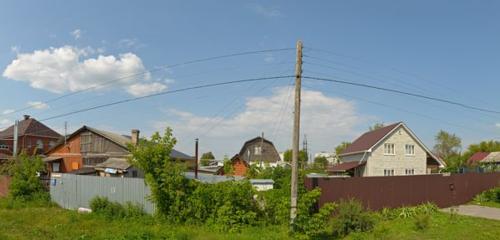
{"x":38,"y":105}
{"x":7,"y":111}
{"x":77,"y":33}
{"x":326,"y":121}
{"x":4,"y":123}
{"x":266,"y":10}
{"x":70,"y":69}
{"x":142,"y":89}
{"x":497,"y":125}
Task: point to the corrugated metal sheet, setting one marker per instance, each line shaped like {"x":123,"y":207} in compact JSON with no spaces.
{"x":74,"y":191}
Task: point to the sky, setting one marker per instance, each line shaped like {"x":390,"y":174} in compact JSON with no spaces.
{"x":446,"y":49}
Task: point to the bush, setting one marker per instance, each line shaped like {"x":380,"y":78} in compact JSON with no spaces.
{"x":309,"y":222}
{"x":422,"y":221}
{"x":492,"y":195}
{"x":109,"y":209}
{"x":26,"y":184}
{"x":351,"y":216}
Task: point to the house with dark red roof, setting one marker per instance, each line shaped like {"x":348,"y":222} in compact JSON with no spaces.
{"x":34,"y":137}
{"x":485,"y":158}
{"x":387,"y":151}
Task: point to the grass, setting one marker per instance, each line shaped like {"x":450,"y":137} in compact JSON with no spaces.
{"x":38,"y":221}
{"x":55,"y":223}
{"x":442,"y":226}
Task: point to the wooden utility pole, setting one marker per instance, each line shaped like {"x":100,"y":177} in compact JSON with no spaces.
{"x":296,"y":134}
{"x":262,"y":150}
{"x":196,"y":159}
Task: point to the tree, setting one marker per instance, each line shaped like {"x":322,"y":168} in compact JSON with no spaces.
{"x":26,"y":184}
{"x":321,"y":161}
{"x":206,"y":157}
{"x":228,"y":166}
{"x":447,"y":145}
{"x":341,"y":147}
{"x":376,"y":126}
{"x":303,"y":158}
{"x":169,"y":188}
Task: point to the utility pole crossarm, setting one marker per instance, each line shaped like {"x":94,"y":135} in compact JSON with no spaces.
{"x":296,"y":134}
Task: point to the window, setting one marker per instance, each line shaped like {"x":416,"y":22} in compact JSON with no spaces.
{"x":410,"y":171}
{"x":258,"y":150}
{"x":55,"y":167}
{"x":85,"y":142}
{"x":388,"y":172}
{"x":3,"y":146}
{"x":410,"y":149}
{"x":39,"y":144}
{"x":389,"y":149}
{"x":52,"y":144}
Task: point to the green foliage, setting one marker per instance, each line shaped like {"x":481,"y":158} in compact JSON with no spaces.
{"x":303,"y":158}
{"x":376,"y":126}
{"x":228,"y":166}
{"x":341,"y":147}
{"x":320,"y":162}
{"x":26,"y":184}
{"x":447,"y":144}
{"x":228,"y":206}
{"x":113,"y":210}
{"x":208,"y":155}
{"x":351,"y":216}
{"x":205,"y":158}
{"x":169,"y":188}
{"x":422,"y":221}
{"x":491,"y":195}
{"x":408,"y":212}
{"x":310,"y":223}
{"x":484,"y":146}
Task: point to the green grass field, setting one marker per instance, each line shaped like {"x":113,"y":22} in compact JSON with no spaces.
{"x":55,"y":223}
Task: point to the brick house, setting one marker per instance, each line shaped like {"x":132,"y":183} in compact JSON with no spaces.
{"x":92,"y":151}
{"x":388,"y":151}
{"x":34,"y":137}
{"x":240,"y":167}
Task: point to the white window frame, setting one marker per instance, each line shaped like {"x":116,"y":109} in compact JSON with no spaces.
{"x":257,"y":150}
{"x":410,"y":171}
{"x":388,"y":172}
{"x":388,"y":147}
{"x":410,"y":150}
{"x":39,"y":144}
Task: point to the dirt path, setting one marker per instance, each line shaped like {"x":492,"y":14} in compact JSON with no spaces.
{"x":477,"y":211}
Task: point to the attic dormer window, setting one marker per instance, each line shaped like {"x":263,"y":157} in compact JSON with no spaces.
{"x":257,"y":150}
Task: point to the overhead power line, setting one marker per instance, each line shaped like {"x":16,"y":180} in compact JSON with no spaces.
{"x":166,"y":93}
{"x":151,"y":71}
{"x":403,"y":93}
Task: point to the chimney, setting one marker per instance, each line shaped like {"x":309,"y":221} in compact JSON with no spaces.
{"x":26,"y":117}
{"x":135,"y":136}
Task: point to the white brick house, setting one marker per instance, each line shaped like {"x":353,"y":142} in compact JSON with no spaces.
{"x":388,"y":151}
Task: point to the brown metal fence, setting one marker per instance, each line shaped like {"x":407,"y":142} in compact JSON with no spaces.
{"x":396,"y":191}
{"x":4,"y":185}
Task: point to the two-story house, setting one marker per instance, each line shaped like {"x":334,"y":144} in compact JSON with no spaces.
{"x":33,"y":137}
{"x":259,"y":151}
{"x":92,"y":151}
{"x":387,"y":151}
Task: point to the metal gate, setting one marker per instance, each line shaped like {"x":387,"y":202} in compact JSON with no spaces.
{"x":73,"y":191}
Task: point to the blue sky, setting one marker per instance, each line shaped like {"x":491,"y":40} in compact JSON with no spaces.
{"x":446,"y":49}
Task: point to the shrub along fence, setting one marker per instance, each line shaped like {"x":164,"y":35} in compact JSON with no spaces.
{"x":73,"y":191}
{"x":397,"y":191}
{"x":4,"y":185}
